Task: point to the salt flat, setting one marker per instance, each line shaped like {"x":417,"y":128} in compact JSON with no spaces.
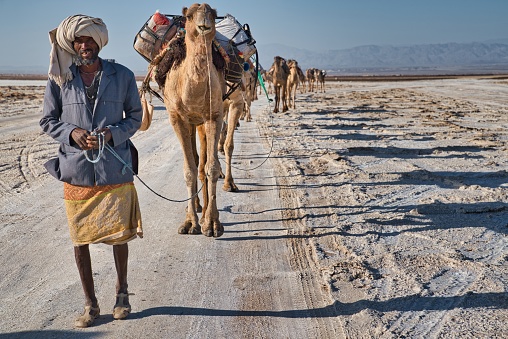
{"x":381,"y":212}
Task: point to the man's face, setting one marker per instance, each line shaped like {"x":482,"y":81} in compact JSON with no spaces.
{"x":87,"y":50}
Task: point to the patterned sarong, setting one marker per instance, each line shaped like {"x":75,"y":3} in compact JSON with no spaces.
{"x":103,"y":214}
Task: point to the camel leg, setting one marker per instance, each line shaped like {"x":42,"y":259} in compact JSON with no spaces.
{"x":190,"y":172}
{"x":197,"y":204}
{"x":284,"y":100}
{"x":277,"y":99}
{"x":201,"y":167}
{"x":248,"y":117}
{"x":292,"y":96}
{"x":249,"y":97}
{"x":235,"y":110}
{"x":222,"y":137}
{"x":223,"y":133}
{"x":288,"y":94}
{"x":211,"y":225}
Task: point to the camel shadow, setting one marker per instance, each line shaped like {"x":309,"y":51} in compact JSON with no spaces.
{"x":411,"y":303}
{"x":431,"y":216}
{"x":446,"y":179}
{"x":406,"y":153}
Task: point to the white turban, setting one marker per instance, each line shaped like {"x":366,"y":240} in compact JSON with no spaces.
{"x":62,"y":43}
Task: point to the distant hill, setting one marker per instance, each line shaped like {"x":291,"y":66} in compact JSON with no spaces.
{"x":457,"y":58}
{"x":432,"y":58}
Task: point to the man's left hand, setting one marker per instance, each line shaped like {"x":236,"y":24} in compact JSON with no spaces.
{"x":93,"y":140}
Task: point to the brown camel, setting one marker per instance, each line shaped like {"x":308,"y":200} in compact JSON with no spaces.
{"x":236,"y":107}
{"x":292,"y":82}
{"x":193,"y":97}
{"x":233,"y":108}
{"x":310,"y":78}
{"x":280,"y":73}
{"x":250,"y":93}
{"x":302,"y":79}
{"x":320,"y":80}
{"x":268,"y":82}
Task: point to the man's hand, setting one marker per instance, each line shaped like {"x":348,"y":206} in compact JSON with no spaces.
{"x":80,"y":136}
{"x":86,"y":141}
{"x":93,"y":140}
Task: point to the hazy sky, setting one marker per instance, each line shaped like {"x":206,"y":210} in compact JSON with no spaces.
{"x":312,"y":24}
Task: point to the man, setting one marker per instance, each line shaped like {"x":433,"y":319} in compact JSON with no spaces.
{"x":89,"y":103}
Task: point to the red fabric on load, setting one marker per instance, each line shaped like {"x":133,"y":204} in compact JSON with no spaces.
{"x":159,"y":19}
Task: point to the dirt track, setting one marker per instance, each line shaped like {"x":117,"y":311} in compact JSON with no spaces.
{"x":381,"y":212}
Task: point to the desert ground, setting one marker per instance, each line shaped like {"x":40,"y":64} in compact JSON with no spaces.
{"x":378,"y":209}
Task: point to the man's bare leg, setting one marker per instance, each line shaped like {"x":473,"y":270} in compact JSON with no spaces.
{"x":121,"y":253}
{"x":84,"y":264}
{"x":122,"y":306}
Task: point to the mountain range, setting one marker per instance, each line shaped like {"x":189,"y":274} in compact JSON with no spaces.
{"x":474,"y":57}
{"x":489,"y":57}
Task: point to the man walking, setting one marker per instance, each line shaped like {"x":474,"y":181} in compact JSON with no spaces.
{"x":90,"y":105}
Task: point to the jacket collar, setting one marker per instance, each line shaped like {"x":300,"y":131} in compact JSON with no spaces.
{"x":107,"y":71}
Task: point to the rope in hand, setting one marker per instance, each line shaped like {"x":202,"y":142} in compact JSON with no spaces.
{"x":103,"y":145}
{"x":100,"y":138}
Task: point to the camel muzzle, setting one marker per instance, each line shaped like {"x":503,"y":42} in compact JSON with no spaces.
{"x":203,"y":29}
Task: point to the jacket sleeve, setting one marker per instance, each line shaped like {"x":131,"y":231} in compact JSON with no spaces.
{"x":50,"y":122}
{"x":133,"y":114}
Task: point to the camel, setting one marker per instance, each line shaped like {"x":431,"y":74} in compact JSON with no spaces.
{"x":310,"y":78}
{"x":280,"y":73}
{"x":320,"y":79}
{"x":236,"y":107}
{"x":268,"y":81}
{"x":250,"y":93}
{"x":301,"y":79}
{"x":233,"y":107}
{"x":193,"y":98}
{"x":292,"y":82}
{"x":247,"y":95}
{"x":253,"y":83}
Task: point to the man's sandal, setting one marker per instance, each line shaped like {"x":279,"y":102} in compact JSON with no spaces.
{"x":122,"y":307}
{"x":88,"y":317}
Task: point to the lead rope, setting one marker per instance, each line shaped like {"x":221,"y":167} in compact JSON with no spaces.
{"x":103,"y":145}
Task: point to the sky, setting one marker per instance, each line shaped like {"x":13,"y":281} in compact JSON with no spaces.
{"x":316,"y":25}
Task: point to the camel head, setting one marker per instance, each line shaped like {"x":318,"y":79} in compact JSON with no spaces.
{"x":277,"y":60}
{"x":200,"y":20}
{"x":280,"y":63}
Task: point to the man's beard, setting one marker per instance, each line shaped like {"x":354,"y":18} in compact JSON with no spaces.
{"x":79,"y":61}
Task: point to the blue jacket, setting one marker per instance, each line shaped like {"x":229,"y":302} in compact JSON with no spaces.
{"x":117,"y":107}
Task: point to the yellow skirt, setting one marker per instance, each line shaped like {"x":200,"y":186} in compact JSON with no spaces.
{"x":102,"y":214}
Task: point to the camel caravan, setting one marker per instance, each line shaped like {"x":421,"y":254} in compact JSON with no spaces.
{"x":207,"y":71}
{"x":286,"y":76}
